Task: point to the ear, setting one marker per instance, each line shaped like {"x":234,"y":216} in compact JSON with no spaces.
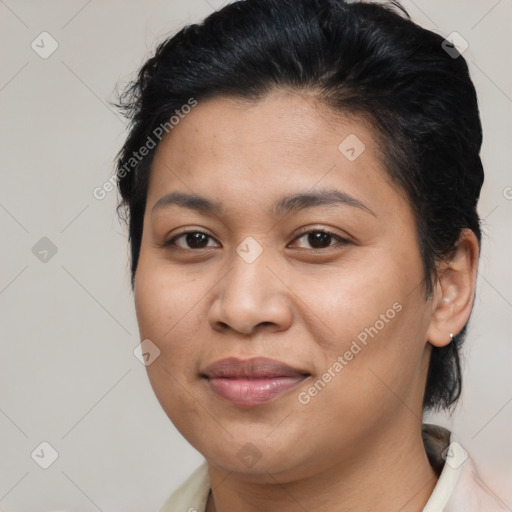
{"x":454,"y":291}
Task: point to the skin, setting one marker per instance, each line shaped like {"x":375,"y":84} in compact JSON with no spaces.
{"x":357,"y":444}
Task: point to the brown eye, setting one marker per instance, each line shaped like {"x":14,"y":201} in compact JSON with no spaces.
{"x":320,"y":239}
{"x":192,"y":240}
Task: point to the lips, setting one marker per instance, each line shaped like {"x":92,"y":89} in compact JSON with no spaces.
{"x":251,"y":382}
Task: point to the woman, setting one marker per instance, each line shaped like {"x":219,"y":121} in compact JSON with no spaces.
{"x":301,"y":181}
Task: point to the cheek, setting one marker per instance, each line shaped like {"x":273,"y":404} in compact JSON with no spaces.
{"x":372,"y":315}
{"x":163,"y":298}
{"x":350,"y":297}
{"x":166,"y":314}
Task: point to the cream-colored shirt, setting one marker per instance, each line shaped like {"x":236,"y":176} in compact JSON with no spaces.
{"x":458,"y":489}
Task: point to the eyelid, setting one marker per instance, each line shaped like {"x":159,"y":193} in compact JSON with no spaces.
{"x":325,"y":229}
{"x":343,"y":240}
{"x":170,"y":242}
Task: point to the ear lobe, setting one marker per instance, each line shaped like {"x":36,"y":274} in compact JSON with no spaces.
{"x":454,"y":291}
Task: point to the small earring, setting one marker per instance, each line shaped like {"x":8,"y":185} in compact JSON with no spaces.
{"x":451,"y":336}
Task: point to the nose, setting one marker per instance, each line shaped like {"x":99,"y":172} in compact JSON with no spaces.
{"x":251,"y":297}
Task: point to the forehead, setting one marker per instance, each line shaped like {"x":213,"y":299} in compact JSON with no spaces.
{"x":281,"y":143}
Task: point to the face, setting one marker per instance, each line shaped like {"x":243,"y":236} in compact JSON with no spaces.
{"x":327,"y":283}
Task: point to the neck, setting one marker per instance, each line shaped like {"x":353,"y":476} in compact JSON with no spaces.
{"x":391,"y":473}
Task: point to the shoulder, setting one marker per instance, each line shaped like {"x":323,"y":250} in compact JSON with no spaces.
{"x":459,"y":487}
{"x":192,"y":494}
{"x":473,"y":494}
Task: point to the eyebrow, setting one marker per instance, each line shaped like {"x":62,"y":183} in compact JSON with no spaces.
{"x":284,"y":206}
{"x":326,"y":197}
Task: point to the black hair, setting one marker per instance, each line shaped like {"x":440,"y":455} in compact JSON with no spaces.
{"x":362,"y":58}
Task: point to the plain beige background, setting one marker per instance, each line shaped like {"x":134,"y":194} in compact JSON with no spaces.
{"x":68,"y":329}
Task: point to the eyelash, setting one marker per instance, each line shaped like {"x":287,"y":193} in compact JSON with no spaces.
{"x":341,"y":241}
